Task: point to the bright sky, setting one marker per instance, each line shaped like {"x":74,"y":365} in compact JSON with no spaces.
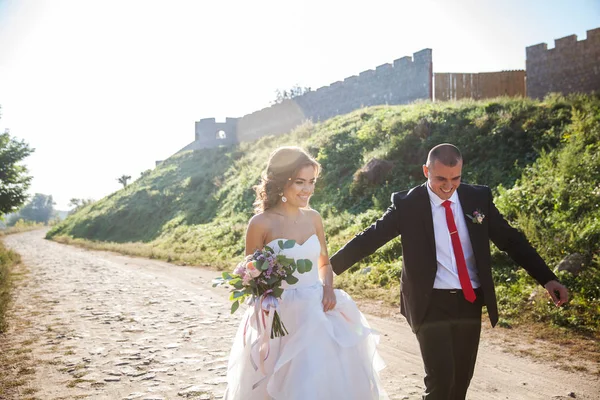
{"x":102,"y":88}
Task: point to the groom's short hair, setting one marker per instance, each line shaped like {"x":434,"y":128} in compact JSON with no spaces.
{"x":446,"y":153}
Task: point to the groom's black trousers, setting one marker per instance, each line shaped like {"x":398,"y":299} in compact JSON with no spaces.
{"x":449,"y":338}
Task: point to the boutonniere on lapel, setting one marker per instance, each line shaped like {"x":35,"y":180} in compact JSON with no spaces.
{"x":477,"y":217}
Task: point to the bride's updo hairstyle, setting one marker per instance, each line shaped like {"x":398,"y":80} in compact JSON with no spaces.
{"x":282,"y":168}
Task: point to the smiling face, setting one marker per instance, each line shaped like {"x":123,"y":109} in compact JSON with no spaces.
{"x":442,"y":179}
{"x":299,"y":190}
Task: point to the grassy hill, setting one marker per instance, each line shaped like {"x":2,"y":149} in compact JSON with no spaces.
{"x":541,"y":158}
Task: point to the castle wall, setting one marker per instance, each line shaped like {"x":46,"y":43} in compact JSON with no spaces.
{"x":406,"y":80}
{"x":571,"y":66}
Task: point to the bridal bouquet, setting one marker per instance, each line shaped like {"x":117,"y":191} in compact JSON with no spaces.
{"x":259,"y":277}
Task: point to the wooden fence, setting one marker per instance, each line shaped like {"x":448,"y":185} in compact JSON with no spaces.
{"x":455,"y":86}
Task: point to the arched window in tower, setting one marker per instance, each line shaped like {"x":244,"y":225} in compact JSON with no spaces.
{"x":221,"y":134}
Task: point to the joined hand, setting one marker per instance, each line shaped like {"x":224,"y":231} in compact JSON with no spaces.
{"x":328,"y":298}
{"x":563,"y":294}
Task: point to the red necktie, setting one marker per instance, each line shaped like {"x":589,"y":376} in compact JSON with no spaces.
{"x":463,"y":274}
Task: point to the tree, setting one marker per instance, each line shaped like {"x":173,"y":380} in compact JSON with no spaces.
{"x":123,"y":180}
{"x":11,"y":219}
{"x":78,"y":204}
{"x":75,"y":202}
{"x":14,"y":178}
{"x":295,"y":91}
{"x":39,"y":209}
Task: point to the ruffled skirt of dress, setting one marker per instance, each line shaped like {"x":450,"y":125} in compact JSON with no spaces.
{"x":325,"y":356}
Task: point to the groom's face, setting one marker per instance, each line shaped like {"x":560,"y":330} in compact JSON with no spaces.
{"x":442,"y":179}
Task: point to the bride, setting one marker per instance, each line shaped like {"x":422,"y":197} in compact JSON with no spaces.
{"x":330,"y":351}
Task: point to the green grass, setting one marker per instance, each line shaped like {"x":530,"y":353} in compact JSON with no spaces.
{"x":193,"y":208}
{"x":22,"y":226}
{"x":8,"y":258}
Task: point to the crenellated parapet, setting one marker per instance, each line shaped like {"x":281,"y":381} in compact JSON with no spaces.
{"x":571,"y":66}
{"x":406,"y":80}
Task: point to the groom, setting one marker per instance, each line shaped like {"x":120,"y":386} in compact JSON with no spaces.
{"x":446,"y":278}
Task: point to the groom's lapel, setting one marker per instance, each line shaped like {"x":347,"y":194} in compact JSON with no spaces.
{"x":424,"y":202}
{"x":468,"y":204}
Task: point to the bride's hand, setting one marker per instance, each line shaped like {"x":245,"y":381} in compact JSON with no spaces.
{"x":328,"y":298}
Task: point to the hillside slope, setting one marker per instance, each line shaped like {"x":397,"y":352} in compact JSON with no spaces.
{"x":193,"y":208}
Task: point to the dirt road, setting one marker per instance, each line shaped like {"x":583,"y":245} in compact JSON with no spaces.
{"x":107,"y":326}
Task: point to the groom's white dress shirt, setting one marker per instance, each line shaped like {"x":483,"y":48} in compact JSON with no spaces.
{"x":447,"y":273}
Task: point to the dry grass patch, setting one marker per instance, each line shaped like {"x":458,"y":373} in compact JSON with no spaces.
{"x":145,"y":250}
{"x":565,"y":349}
{"x":22,"y":226}
{"x":77,"y":381}
{"x":17,"y":366}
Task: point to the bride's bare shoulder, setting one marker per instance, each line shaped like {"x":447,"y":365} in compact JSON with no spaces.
{"x":262,"y":222}
{"x":258,"y":229}
{"x":313,"y":214}
{"x":258,"y":219}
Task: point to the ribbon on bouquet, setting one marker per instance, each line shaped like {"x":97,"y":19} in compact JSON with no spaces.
{"x":264,"y":313}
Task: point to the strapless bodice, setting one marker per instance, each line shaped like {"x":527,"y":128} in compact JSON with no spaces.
{"x":309,"y":250}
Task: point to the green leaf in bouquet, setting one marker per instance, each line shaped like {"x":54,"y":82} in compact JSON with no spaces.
{"x":269,"y":249}
{"x":277,"y":292}
{"x":235,"y":306}
{"x":236,"y":294}
{"x":289,"y":244}
{"x":272,"y":280}
{"x":307,"y":265}
{"x":291,"y":279}
{"x":280,"y":244}
{"x":264,"y":265}
{"x":236,"y":283}
{"x":283,"y":260}
{"x":300,"y":266}
{"x":217,"y":281}
{"x":226,"y":275}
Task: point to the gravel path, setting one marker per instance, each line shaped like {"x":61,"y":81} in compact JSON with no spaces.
{"x":107,"y":326}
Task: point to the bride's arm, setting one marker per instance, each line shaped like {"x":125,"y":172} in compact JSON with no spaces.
{"x":325,"y":271}
{"x":255,"y":234}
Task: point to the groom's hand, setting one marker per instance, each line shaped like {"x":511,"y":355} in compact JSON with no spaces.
{"x":559,"y":293}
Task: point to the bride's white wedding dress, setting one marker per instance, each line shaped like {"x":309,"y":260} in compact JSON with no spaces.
{"x":325,"y":356}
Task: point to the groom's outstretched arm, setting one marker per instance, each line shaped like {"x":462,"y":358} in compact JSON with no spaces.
{"x":368,"y":241}
{"x":516,"y":245}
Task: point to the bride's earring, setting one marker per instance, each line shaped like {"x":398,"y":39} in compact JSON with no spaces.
{"x":283,"y":198}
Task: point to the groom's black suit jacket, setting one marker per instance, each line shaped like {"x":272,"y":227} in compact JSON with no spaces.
{"x":410,"y":217}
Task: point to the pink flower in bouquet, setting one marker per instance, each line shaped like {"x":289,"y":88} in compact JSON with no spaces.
{"x":246,"y":279}
{"x":240,"y":270}
{"x":252,"y":270}
{"x":265,"y":289}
